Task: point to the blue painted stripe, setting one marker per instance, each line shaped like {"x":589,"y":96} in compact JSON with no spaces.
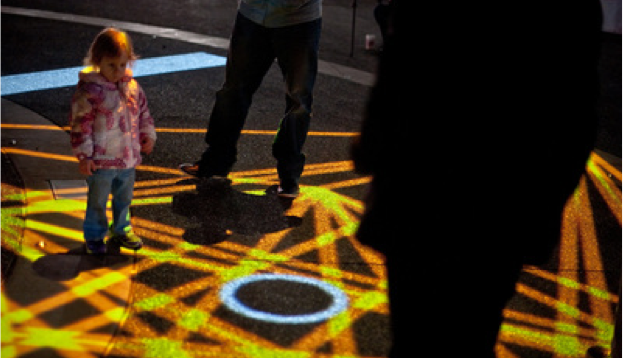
{"x":37,"y":81}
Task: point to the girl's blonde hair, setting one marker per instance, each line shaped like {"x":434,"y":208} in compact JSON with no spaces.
{"x":110,"y":42}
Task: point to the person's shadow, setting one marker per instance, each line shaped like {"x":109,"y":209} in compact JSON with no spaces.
{"x":68,"y":265}
{"x":221,"y":211}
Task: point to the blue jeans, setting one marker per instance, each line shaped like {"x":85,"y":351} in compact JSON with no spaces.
{"x":119,"y":183}
{"x":253,"y":49}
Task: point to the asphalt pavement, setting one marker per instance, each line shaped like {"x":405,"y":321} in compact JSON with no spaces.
{"x":228,"y":268}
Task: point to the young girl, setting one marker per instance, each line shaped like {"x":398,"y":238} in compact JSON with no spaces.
{"x":110,"y":126}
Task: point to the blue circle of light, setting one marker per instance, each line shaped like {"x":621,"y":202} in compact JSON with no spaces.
{"x":228,"y":297}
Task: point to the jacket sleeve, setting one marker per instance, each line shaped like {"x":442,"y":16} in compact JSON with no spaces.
{"x":83,"y":111}
{"x":146,"y":121}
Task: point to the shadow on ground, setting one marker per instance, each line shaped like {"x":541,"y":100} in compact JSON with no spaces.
{"x":67,"y":266}
{"x":220,"y":211}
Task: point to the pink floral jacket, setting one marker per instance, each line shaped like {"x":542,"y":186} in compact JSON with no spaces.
{"x":108,"y":120}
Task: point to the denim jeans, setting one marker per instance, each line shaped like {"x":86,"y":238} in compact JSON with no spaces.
{"x":119,"y":183}
{"x":253,"y":49}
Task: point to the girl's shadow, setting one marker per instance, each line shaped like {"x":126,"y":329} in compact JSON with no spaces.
{"x":222,"y":211}
{"x":67,"y":266}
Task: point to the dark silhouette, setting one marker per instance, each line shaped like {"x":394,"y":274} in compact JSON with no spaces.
{"x":476,"y":133}
{"x":382,"y":12}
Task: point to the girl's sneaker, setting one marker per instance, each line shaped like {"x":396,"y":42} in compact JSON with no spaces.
{"x":128,"y":240}
{"x":97,"y":247}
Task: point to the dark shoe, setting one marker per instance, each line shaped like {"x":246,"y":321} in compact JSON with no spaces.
{"x":196,"y":171}
{"x":190,"y":169}
{"x":97,"y":247}
{"x":597,"y":352}
{"x":289,"y":191}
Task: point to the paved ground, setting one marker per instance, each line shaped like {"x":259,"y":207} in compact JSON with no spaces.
{"x":13,"y":202}
{"x":173,"y":298}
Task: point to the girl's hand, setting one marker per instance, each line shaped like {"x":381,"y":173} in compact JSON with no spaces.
{"x":87,"y":167}
{"x":147,"y":145}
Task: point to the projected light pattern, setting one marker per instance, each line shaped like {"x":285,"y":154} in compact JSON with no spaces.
{"x":223,"y":332}
{"x":177,"y":308}
{"x":582,"y":304}
{"x":229,"y":290}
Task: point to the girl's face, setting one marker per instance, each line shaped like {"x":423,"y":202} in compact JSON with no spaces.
{"x":113,"y":68}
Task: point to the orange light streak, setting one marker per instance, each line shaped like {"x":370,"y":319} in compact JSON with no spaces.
{"x":179,"y":130}
{"x":551,"y":302}
{"x":608,"y":190}
{"x":43,"y":155}
{"x":159,"y":191}
{"x":607,"y":166}
{"x":591,"y":255}
{"x":533,"y":320}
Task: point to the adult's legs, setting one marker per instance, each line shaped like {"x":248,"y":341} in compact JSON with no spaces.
{"x":249,"y":58}
{"x":297,"y":54}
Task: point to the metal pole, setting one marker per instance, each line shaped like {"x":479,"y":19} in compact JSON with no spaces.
{"x":352,"y":31}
